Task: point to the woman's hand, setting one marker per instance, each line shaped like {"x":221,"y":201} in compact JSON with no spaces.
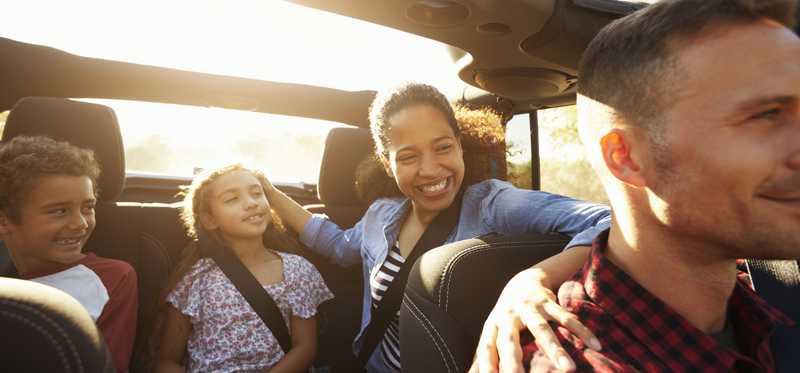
{"x":528,"y":301}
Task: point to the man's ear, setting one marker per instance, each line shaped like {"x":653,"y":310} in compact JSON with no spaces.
{"x":617,"y":147}
{"x":208,"y":222}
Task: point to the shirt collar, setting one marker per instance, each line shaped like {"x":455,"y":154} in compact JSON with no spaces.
{"x":657,"y":325}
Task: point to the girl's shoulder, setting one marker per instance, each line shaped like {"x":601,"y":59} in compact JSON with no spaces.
{"x":199,"y":270}
{"x":295,"y":263}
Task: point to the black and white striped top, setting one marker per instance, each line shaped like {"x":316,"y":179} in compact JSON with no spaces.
{"x":390,"y":345}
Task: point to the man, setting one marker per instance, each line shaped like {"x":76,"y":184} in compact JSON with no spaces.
{"x":690,"y":111}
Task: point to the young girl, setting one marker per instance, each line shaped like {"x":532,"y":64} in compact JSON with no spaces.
{"x":208,"y":325}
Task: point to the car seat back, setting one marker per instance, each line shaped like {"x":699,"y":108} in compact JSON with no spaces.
{"x":452,"y":289}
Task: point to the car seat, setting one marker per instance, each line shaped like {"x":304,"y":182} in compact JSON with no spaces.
{"x":46,"y":330}
{"x":452,"y":289}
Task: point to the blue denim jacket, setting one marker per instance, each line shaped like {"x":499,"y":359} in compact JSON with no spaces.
{"x":488,"y":206}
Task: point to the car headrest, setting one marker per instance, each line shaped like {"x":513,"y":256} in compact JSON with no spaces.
{"x":46,"y":330}
{"x":82,"y":124}
{"x":345,"y":148}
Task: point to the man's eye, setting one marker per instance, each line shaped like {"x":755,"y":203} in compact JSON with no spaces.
{"x":58,"y":211}
{"x":767,"y":114}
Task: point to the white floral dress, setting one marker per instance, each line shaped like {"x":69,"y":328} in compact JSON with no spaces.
{"x":227,"y":335}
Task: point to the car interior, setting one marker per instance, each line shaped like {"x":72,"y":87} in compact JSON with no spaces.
{"x":514,"y":56}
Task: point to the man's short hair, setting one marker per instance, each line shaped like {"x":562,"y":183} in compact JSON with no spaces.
{"x":629,"y":65}
{"x":25,"y":159}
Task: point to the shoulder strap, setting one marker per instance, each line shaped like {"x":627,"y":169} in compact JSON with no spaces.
{"x":250,"y":288}
{"x":434,"y":236}
{"x":778,"y":282}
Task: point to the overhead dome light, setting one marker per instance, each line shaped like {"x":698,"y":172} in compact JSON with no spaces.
{"x":437,"y":13}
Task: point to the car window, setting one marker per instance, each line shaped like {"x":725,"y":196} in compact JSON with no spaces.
{"x":3,"y":116}
{"x":178,"y":140}
{"x":563,"y":164}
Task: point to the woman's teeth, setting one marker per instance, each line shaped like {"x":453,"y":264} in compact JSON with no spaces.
{"x":433,"y":188}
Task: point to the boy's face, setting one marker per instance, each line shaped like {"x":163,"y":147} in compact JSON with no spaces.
{"x":55,"y":221}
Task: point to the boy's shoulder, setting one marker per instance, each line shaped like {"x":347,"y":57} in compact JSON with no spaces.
{"x":113,"y":272}
{"x":99,"y":263}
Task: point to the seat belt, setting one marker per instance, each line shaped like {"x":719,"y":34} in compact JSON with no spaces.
{"x":249,"y":287}
{"x":434,"y":236}
{"x":778,"y":282}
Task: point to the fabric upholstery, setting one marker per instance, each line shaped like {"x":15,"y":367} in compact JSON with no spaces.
{"x":82,"y":124}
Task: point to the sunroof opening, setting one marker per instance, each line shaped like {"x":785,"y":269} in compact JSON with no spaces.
{"x":267,"y":40}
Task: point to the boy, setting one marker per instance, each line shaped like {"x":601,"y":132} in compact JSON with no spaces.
{"x":47,"y":197}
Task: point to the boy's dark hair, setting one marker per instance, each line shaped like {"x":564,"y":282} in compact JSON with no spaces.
{"x":25,"y":159}
{"x":389,"y":102}
{"x":630,"y":65}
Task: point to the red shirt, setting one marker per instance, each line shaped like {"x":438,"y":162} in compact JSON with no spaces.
{"x":639,"y":332}
{"x":108,"y":289}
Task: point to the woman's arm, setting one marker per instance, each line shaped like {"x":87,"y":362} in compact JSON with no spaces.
{"x":294,"y":215}
{"x":172,"y":342}
{"x":304,"y":346}
{"x":510,"y":210}
{"x":318,"y":233}
{"x":528,"y":302}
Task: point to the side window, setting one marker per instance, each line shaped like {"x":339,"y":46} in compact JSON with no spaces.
{"x":3,"y":117}
{"x":518,"y":151}
{"x":564,"y":168}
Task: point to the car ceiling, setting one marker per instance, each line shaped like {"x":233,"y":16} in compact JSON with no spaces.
{"x":516,"y":55}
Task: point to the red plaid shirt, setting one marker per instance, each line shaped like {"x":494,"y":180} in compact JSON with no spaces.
{"x":641,"y":333}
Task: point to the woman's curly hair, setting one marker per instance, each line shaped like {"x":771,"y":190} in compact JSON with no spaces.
{"x":25,"y":159}
{"x":389,"y":102}
{"x":483,"y":141}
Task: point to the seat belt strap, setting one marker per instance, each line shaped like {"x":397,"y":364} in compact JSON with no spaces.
{"x":434,"y":236}
{"x":249,"y":287}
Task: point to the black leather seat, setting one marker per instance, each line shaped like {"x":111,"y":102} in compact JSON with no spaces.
{"x":46,"y":330}
{"x":452,"y":289}
{"x":132,"y":232}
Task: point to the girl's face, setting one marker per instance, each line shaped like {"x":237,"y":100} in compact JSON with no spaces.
{"x":237,"y":207}
{"x":425,"y":157}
